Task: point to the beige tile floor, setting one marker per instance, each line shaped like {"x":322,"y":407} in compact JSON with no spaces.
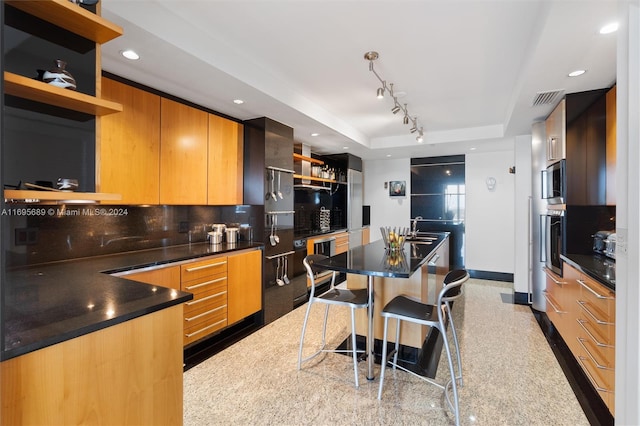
{"x":511,"y":376}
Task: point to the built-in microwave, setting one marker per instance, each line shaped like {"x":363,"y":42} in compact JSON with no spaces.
{"x":554,"y":183}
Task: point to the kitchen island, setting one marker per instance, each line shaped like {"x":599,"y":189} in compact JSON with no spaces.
{"x":83,"y":346}
{"x":417,"y":271}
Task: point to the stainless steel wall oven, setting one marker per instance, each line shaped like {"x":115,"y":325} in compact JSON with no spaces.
{"x":552,"y":239}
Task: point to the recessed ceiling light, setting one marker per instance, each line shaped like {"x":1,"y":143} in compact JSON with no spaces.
{"x":130,"y":54}
{"x":609,"y":28}
{"x":576,"y":73}
{"x":315,"y":134}
{"x":388,"y":155}
{"x":238,"y":101}
{"x":345,"y":147}
{"x":473,"y":148}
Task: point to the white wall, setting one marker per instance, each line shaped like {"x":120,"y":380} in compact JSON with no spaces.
{"x":385,"y":210}
{"x":489,"y":225}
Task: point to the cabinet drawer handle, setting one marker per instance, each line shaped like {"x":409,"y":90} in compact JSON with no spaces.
{"x":558,"y":311}
{"x":215,"y":324}
{"x":433,"y":261}
{"x":193,"y":302}
{"x":595,"y":293}
{"x":205,"y":283}
{"x":553,"y":278}
{"x":599,"y":388}
{"x":342,"y":244}
{"x":583,"y":305}
{"x":593,"y":359}
{"x":205,"y":313}
{"x":212,"y":265}
{"x":591,"y":336}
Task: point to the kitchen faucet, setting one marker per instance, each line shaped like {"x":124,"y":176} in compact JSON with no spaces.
{"x":414,"y":226}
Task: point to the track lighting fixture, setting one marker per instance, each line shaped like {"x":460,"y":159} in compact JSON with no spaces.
{"x":372,"y":56}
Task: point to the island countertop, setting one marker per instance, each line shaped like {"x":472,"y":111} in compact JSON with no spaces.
{"x":372,"y":259}
{"x":50,"y":303}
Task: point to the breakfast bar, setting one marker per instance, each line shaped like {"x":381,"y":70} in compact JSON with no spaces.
{"x":389,"y":273}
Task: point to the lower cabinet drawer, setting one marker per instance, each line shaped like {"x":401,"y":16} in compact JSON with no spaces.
{"x":206,"y":323}
{"x":212,"y":293}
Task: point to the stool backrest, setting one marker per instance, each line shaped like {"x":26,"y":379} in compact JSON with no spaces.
{"x":309,"y":263}
{"x":452,"y":285}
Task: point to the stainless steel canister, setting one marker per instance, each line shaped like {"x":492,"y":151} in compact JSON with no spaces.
{"x":215,"y":237}
{"x":232,"y":235}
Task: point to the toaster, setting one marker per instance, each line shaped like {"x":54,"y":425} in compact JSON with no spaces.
{"x":600,"y":241}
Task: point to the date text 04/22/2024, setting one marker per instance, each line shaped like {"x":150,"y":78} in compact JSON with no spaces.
{"x":64,"y":211}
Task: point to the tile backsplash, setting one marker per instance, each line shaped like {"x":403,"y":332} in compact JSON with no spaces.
{"x":40,"y":234}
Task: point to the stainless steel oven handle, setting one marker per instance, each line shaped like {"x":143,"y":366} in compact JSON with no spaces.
{"x":551,"y":276}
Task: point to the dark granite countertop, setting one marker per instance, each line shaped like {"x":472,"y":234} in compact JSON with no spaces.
{"x":373,"y":259}
{"x":50,"y":303}
{"x":598,"y":267}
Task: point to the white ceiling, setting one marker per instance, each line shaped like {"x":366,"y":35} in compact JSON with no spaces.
{"x":470,"y":69}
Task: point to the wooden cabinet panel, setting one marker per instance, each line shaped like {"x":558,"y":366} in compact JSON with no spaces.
{"x":611,"y":146}
{"x":586,"y":155}
{"x":225,"y":173}
{"x":127,"y":374}
{"x":592,"y":338}
{"x":245,"y":285}
{"x":129,"y":147}
{"x":203,"y":268}
{"x":342,"y":242}
{"x":183,"y":158}
{"x":165,"y":277}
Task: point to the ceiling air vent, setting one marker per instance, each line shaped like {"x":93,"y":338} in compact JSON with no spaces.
{"x":546,"y":98}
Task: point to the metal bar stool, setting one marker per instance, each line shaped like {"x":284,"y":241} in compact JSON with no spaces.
{"x":404,"y":309}
{"x":354,"y":299}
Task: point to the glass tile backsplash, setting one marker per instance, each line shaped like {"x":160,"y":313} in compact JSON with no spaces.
{"x":63,"y":232}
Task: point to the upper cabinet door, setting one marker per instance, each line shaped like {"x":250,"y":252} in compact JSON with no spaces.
{"x":129,"y":149}
{"x":183,"y":154}
{"x":225,"y":180}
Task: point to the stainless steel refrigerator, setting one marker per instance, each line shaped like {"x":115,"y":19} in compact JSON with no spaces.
{"x":537,"y":208}
{"x":354,"y":207}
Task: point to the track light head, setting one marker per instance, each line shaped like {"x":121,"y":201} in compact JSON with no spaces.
{"x":395,"y":109}
{"x":413,"y":129}
{"x":380,"y":93}
{"x":405,"y":120}
{"x":420,"y":137}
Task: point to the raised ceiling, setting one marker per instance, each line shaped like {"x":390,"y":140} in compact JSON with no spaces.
{"x":470,"y":70}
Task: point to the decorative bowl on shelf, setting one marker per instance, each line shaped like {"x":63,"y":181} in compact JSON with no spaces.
{"x":394,"y":237}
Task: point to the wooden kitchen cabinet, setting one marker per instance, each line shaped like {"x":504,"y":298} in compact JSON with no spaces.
{"x":586,"y":156}
{"x":226,"y":289}
{"x":596,"y":337}
{"x":126,"y":374}
{"x":129,"y":149}
{"x":207,"y":312}
{"x":342,"y":242}
{"x":183,"y":154}
{"x":225,"y":172}
{"x":164,"y":277}
{"x":245,"y":285}
{"x":611,"y":146}
{"x":588,"y":328}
